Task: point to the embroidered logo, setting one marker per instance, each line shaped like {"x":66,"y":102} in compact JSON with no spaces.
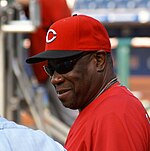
{"x":53,"y":37}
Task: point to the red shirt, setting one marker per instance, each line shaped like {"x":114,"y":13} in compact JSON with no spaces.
{"x":115,"y":121}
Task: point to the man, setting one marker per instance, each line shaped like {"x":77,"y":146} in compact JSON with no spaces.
{"x":80,"y":67}
{"x":14,"y":137}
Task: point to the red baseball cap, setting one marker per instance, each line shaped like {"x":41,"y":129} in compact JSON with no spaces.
{"x":71,"y":36}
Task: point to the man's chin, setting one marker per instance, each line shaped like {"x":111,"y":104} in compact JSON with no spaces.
{"x":69,"y":105}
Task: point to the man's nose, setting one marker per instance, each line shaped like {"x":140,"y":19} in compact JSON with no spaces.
{"x":57,"y":78}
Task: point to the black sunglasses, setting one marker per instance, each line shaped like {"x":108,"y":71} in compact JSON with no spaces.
{"x":64,"y":67}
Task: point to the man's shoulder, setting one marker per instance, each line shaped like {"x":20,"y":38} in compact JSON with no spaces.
{"x":119,"y":100}
{"x":16,"y":132}
{"x":120,"y":93}
{"x":22,"y":138}
{"x":6,"y":124}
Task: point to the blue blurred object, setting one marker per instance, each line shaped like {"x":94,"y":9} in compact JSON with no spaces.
{"x":109,"y":11}
{"x":98,"y":4}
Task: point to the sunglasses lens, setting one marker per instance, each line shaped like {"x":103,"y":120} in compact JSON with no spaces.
{"x":49,"y":70}
{"x":64,"y":67}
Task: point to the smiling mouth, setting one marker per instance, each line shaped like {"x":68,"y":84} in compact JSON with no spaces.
{"x":62,"y":92}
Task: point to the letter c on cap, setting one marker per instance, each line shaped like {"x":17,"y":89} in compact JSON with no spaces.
{"x":54,"y":35}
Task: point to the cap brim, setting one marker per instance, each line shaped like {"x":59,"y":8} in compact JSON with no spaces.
{"x":49,"y":55}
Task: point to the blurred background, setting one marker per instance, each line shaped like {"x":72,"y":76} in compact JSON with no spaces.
{"x":26,"y":95}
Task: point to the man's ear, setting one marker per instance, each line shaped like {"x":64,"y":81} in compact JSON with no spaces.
{"x":100,"y":57}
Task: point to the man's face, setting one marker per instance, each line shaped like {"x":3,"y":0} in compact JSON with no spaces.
{"x":77,"y":87}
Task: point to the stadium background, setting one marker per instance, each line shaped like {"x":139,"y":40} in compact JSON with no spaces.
{"x":128,"y":24}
